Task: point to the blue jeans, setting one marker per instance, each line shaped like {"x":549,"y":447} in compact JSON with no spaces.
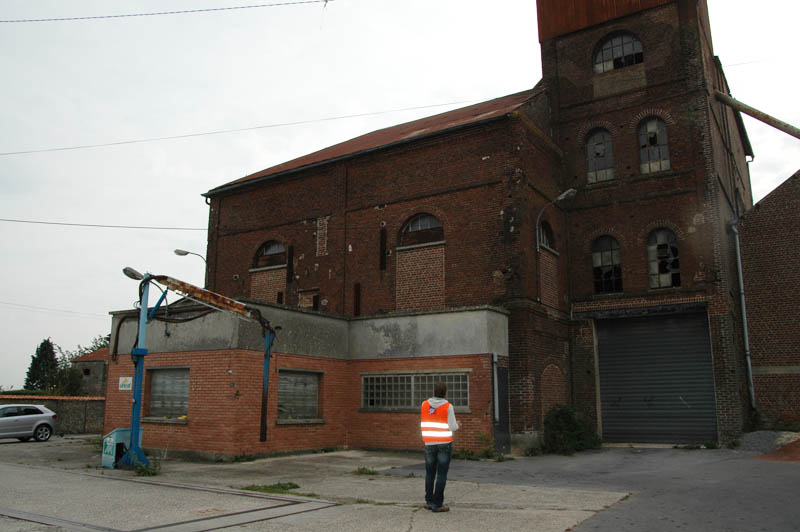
{"x":437,"y":462}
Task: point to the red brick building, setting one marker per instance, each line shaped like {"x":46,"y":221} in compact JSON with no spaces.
{"x":771,"y":293}
{"x":566,"y":244}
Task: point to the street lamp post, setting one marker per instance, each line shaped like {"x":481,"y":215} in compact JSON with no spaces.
{"x":567,"y":194}
{"x":183,"y":253}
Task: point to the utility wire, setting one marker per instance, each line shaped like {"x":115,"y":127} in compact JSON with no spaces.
{"x":225,"y":131}
{"x":102,"y":225}
{"x":188,"y":11}
{"x":48,"y":309}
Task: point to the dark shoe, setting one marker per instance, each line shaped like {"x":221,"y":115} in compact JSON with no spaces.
{"x":442,"y":508}
{"x":427,"y":506}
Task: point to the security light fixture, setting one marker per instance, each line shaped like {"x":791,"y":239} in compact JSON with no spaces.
{"x":133,"y":274}
{"x":567,"y":194}
{"x":183,"y":253}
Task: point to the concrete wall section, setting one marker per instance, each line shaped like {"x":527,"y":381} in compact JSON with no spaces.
{"x":428,"y":334}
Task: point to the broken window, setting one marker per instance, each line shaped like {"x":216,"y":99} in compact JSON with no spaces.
{"x":662,"y":255}
{"x":606,"y":265}
{"x":421,"y":229}
{"x":271,"y":253}
{"x":653,"y":146}
{"x":599,"y":157}
{"x":618,"y":51}
{"x":546,"y":237}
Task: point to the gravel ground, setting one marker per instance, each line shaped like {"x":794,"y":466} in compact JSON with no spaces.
{"x":766,"y":441}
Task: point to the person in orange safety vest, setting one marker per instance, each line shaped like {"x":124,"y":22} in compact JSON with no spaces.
{"x":437,"y":423}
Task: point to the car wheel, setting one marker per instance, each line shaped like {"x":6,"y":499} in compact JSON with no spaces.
{"x":26,"y":438}
{"x":42,"y":433}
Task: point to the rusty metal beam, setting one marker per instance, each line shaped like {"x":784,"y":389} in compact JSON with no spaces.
{"x":212,"y":299}
{"x":758,"y":115}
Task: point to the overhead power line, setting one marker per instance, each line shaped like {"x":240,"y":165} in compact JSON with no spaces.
{"x":103,"y":225}
{"x":56,"y":310}
{"x":184,"y":12}
{"x":225,"y":131}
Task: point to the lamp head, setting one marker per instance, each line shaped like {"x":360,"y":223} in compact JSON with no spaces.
{"x":133,"y":274}
{"x":567,"y":194}
{"x":181,"y":252}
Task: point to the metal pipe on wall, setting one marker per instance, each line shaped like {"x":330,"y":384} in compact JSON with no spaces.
{"x":750,"y":385}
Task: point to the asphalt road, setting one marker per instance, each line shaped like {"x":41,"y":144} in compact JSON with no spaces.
{"x":613,"y":489}
{"x":670,"y":489}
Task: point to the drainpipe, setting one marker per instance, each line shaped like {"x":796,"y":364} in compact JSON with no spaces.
{"x":735,"y":230}
{"x":495,"y":393}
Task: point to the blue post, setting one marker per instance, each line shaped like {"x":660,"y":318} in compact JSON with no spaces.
{"x":269,"y":336}
{"x":135,"y":453}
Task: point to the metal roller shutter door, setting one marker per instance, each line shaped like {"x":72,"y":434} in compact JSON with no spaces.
{"x":656,"y":380}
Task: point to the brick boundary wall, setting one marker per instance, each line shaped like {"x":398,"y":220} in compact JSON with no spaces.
{"x":76,"y":415}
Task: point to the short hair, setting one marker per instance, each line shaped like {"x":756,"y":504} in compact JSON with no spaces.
{"x":440,"y":389}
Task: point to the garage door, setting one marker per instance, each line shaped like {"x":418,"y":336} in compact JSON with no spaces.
{"x":656,"y":380}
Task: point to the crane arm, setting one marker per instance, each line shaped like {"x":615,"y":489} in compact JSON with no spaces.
{"x":212,"y":299}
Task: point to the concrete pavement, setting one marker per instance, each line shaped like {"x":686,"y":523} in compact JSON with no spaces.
{"x":608,"y":490}
{"x":58,"y":484}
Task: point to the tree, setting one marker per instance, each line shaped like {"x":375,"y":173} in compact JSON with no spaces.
{"x":68,"y":381}
{"x":98,"y":342}
{"x":43,"y":371}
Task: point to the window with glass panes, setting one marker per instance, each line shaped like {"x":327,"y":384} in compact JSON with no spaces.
{"x":169,"y":392}
{"x":408,"y":391}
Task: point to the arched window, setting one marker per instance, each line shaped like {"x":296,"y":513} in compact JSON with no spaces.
{"x":662,"y":254}
{"x":618,"y":51}
{"x":547,"y":238}
{"x":270,"y":253}
{"x":653,"y":146}
{"x":606,"y":265}
{"x":421,"y":229}
{"x":599,"y":157}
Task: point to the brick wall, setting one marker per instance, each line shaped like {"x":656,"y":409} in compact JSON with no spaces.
{"x":770,"y":256}
{"x":420,"y":278}
{"x":76,"y":415}
{"x":265,"y":285}
{"x":225,"y":404}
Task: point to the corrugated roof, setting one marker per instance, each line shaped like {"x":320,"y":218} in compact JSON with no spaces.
{"x":391,"y":135}
{"x":100,"y":354}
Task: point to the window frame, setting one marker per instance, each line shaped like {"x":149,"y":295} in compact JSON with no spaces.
{"x":653,"y":146}
{"x":660,"y":261}
{"x":603,"y":282}
{"x":599,"y":169}
{"x":547,"y":237}
{"x":420,"y":387}
{"x":413,"y":233}
{"x":269,"y":256}
{"x":617,"y":51}
{"x":168,"y":412}
{"x":295,"y":420}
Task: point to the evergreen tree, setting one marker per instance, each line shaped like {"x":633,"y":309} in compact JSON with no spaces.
{"x":43,"y":371}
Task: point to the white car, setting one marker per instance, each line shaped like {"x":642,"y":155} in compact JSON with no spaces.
{"x":27,"y":421}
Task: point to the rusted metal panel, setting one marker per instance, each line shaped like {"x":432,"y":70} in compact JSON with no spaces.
{"x":559,"y":17}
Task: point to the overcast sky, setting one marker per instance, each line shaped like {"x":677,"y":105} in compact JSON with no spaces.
{"x":112,"y":80}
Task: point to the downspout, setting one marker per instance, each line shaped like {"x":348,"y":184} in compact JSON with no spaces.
{"x":495,"y":393}
{"x":735,"y":230}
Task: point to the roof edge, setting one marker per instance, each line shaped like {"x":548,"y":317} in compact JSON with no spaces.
{"x":235,"y":186}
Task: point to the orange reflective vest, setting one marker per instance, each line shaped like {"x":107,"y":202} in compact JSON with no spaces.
{"x":433,"y":424}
